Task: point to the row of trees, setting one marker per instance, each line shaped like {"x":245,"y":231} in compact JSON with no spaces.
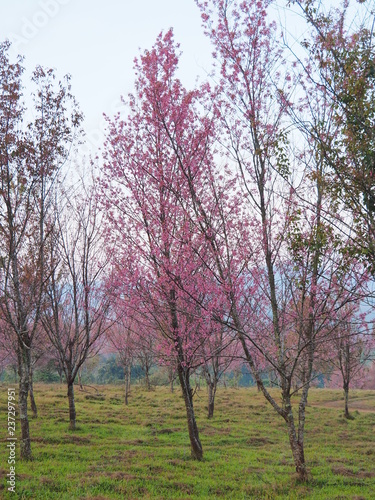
{"x":51,"y":258}
{"x":232,"y":221}
{"x":229,"y":199}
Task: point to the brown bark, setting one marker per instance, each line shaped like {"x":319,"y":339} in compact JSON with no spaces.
{"x":147,"y":376}
{"x":196,"y":446}
{"x":299,"y":458}
{"x":171,"y":383}
{"x":72,"y":407}
{"x":296,"y":443}
{"x":184,"y":378}
{"x":211,"y":386}
{"x":346,"y":394}
{"x":23,"y":372}
{"x":80,"y":379}
{"x":34,"y":408}
{"x":127,"y":383}
{"x":211,"y":400}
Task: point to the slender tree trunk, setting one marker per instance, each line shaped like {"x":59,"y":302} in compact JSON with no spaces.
{"x":127,"y":383}
{"x":61,"y":372}
{"x":346,"y":394}
{"x":24,"y":372}
{"x":171,"y":381}
{"x":346,"y":378}
{"x":211,"y":399}
{"x":198,"y":383}
{"x":196,"y":446}
{"x":147,"y":374}
{"x":296,"y":443}
{"x":211,"y":386}
{"x":72,"y":406}
{"x":80,"y":379}
{"x":31,"y":390}
{"x":184,"y":378}
{"x":298,"y":456}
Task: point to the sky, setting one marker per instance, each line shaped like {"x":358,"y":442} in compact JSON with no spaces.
{"x":96,"y":41}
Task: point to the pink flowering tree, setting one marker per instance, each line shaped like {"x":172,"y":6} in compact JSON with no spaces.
{"x":216,"y":356}
{"x":353,"y":350}
{"x":281,"y":283}
{"x":146,"y":343}
{"x":122,"y":338}
{"x":146,"y":198}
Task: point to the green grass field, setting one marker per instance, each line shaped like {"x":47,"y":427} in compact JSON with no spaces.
{"x":142,"y":451}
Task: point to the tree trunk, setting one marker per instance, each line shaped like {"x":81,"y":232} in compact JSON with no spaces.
{"x":196,"y":446}
{"x":72,"y":406}
{"x":299,"y":459}
{"x":171,"y":379}
{"x":147,"y":374}
{"x":80,"y":379}
{"x":184,"y":377}
{"x":34,"y":408}
{"x":346,"y":393}
{"x":127,"y":383}
{"x":211,"y":386}
{"x":60,"y":371}
{"x":296,"y":444}
{"x":23,"y":372}
{"x":211,"y":399}
{"x":197,"y":384}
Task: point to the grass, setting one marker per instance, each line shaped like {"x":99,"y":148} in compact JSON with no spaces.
{"x":142,"y":451}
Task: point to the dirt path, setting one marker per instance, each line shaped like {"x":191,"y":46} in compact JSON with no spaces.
{"x":364,"y":404}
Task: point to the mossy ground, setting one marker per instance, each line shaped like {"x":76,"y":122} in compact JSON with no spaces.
{"x":142,"y":451}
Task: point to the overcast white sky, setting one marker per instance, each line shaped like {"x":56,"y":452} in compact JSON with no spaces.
{"x":96,"y":42}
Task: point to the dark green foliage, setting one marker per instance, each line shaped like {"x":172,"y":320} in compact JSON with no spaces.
{"x":110,"y":371}
{"x":47,"y":373}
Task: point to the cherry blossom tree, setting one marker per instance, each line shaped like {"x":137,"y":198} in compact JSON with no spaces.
{"x":282,"y":284}
{"x":76,"y":310}
{"x":122,"y":338}
{"x":31,"y":156}
{"x":145,"y":192}
{"x":353,"y":350}
{"x":218,"y":353}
